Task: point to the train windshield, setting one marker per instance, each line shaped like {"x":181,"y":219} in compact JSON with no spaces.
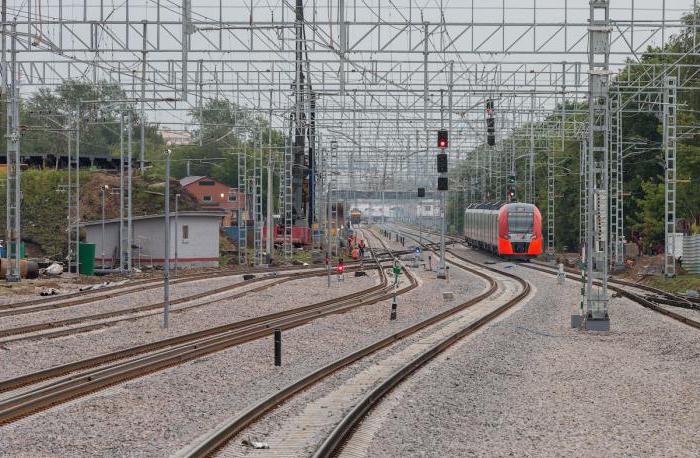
{"x":520,"y":222}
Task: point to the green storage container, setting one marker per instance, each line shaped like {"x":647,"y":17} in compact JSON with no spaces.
{"x":87,"y":258}
{"x":22,"y":254}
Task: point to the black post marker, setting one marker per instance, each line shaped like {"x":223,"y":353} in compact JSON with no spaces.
{"x":278,"y":347}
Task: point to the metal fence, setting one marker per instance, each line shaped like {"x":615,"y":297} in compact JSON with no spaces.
{"x":691,"y":254}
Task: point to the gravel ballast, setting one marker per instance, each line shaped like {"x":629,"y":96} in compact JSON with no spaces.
{"x":158,"y":414}
{"x":119,"y":303}
{"x":528,"y":385}
{"x":29,"y":356}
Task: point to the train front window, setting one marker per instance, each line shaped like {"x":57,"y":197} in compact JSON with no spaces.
{"x":520,"y":222}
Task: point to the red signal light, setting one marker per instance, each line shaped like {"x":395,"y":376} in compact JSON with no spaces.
{"x":442,"y":139}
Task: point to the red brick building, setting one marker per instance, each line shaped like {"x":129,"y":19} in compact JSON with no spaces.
{"x":215,"y":195}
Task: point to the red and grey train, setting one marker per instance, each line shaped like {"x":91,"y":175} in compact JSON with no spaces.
{"x":512,"y":231}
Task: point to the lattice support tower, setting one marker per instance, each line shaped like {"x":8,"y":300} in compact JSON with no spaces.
{"x":531,"y":159}
{"x":243,"y":208}
{"x":124,"y":250}
{"x":669,"y":139}
{"x":583,"y":174}
{"x":550,"y":203}
{"x":332,"y":173}
{"x":258,"y":206}
{"x":287,"y":197}
{"x":616,"y":223}
{"x":596,"y":255}
{"x":13,"y":191}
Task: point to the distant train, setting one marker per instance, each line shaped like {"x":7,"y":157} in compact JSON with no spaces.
{"x":512,"y":230}
{"x":355,"y":216}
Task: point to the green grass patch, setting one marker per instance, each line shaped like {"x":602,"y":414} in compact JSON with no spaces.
{"x":677,"y":284}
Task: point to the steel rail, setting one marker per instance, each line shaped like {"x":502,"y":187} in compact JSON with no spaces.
{"x":173,"y":352}
{"x":343,"y":430}
{"x":646,"y":302}
{"x":208,"y":443}
{"x":27,"y":329}
{"x":639,"y":299}
{"x":54,"y":302}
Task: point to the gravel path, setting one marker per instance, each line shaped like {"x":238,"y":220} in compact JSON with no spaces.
{"x":531,"y":386}
{"x":158,"y":414}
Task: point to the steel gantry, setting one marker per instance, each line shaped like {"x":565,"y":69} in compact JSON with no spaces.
{"x":366,"y":76}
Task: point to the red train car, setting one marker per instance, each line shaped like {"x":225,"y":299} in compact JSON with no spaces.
{"x":513,"y":231}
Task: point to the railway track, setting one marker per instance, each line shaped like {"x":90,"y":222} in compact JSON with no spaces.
{"x":342,"y":433}
{"x":109,"y":292}
{"x":83,"y":377}
{"x":652,"y":298}
{"x":209,"y":443}
{"x":59,"y":328}
{"x":624,"y":289}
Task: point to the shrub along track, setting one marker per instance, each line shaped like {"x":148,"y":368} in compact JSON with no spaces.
{"x":106,"y":370}
{"x":210,"y":442}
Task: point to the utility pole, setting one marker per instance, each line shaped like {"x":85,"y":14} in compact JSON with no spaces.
{"x":142,"y":145}
{"x":77,"y":190}
{"x":103,"y":189}
{"x":269,"y":242}
{"x":442,"y":270}
{"x":177,"y":211}
{"x":129,"y":208}
{"x":166,"y":260}
{"x":123,"y":244}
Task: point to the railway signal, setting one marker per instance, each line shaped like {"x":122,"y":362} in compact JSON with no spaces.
{"x":442,"y":163}
{"x":490,"y":124}
{"x":442,"y":142}
{"x":421,"y":192}
{"x":442,"y":183}
{"x":397,"y":271}
{"x":510,"y":190}
{"x":491,"y":131}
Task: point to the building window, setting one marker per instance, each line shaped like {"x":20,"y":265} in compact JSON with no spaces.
{"x":185,"y":232}
{"x":232,"y":198}
{"x":206,"y":183}
{"x":428,"y":208}
{"x":206,"y":198}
